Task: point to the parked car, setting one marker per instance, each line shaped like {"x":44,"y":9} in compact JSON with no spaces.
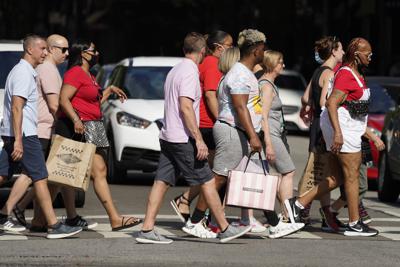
{"x":389,"y":159}
{"x":103,"y":75}
{"x":382,"y":102}
{"x":291,"y":86}
{"x":10,"y":54}
{"x":133,"y":126}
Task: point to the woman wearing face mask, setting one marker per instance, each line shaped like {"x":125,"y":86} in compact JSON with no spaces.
{"x":343,"y":123}
{"x":80,"y":101}
{"x":329,"y":53}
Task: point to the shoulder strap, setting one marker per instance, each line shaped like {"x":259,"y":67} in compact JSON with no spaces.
{"x":355,"y":76}
{"x":272,"y":84}
{"x":277,"y":93}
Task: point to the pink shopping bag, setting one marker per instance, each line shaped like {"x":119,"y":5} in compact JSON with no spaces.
{"x":251,"y":186}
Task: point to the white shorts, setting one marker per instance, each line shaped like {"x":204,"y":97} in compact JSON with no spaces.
{"x":352,"y":130}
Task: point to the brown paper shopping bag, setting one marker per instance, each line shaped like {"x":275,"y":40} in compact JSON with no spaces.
{"x":70,"y":162}
{"x":317,"y":169}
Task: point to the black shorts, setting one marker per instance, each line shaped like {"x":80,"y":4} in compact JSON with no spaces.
{"x":46,"y":145}
{"x":32,"y":163}
{"x":65,"y":128}
{"x":208,"y":137}
{"x":180,"y":159}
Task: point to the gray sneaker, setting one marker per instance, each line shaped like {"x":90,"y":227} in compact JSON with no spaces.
{"x":61,"y":230}
{"x":233,"y":232}
{"x":152,"y":237}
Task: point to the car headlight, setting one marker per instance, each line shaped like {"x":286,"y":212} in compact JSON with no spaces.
{"x":376,"y":132}
{"x":127,"y":119}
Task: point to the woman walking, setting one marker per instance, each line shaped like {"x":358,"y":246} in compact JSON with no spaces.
{"x":80,"y":101}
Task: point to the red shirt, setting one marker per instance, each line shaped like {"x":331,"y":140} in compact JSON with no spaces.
{"x":347,"y":83}
{"x":86,"y":101}
{"x":209,"y":79}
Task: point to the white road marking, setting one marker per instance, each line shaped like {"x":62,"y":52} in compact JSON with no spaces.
{"x":390,"y":232}
{"x":105,"y":230}
{"x":303,"y":235}
{"x":7,"y":236}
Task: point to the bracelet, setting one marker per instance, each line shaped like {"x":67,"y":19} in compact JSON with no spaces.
{"x":75,"y":120}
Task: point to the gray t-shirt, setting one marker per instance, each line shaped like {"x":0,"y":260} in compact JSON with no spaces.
{"x":21,"y":81}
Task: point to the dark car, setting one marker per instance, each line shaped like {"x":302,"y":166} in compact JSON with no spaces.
{"x":389,"y":159}
{"x":382,"y":102}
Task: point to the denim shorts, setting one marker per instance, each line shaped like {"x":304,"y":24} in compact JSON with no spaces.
{"x":179,"y":159}
{"x":32,"y":163}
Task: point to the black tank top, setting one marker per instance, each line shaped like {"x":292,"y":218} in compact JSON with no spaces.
{"x":316,"y":90}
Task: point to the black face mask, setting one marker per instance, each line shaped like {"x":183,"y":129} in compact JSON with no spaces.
{"x":93,"y":61}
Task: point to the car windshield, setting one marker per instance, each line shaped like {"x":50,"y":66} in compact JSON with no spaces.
{"x":289,"y":82}
{"x":381,"y":101}
{"x":8,"y":59}
{"x":145,"y":82}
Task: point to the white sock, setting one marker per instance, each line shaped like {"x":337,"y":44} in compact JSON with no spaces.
{"x":298,"y":204}
{"x":353,"y":223}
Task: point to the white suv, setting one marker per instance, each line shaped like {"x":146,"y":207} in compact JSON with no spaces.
{"x":133,"y":126}
{"x":10,"y":54}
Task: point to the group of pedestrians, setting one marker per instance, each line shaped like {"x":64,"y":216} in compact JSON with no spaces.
{"x":37,"y":104}
{"x":221,"y":104}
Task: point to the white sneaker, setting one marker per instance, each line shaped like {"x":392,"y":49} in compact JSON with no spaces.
{"x":7,"y":224}
{"x":198,"y":229}
{"x":256,"y":226}
{"x":284,"y":229}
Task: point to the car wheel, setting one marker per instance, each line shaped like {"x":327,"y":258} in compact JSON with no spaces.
{"x":115,"y":173}
{"x":388,"y":189}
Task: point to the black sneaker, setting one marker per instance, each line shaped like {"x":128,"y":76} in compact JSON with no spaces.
{"x":293,"y":210}
{"x":81,"y":222}
{"x":60,"y":230}
{"x":360,"y":229}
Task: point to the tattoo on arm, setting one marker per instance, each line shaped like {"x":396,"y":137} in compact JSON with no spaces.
{"x":338,"y":96}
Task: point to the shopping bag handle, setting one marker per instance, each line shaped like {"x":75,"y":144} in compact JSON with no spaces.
{"x":262,"y":162}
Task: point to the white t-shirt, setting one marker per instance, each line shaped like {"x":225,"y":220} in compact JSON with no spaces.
{"x":239,"y":80}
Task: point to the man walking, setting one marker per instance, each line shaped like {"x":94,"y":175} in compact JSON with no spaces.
{"x":182,"y":147}
{"x":21,"y":143}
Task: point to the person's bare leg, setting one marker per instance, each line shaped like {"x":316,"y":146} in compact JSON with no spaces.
{"x":194,"y":191}
{"x":68,"y":195}
{"x":219,"y":181}
{"x":154,"y":202}
{"x":351,"y":169}
{"x":102,"y":190}
{"x":38,"y":217}
{"x":26,"y":200}
{"x":326,"y":185}
{"x":43,"y":198}
{"x":325,"y":200}
{"x":17,"y":192}
{"x":213,"y":201}
{"x":338,"y":204}
{"x":285,"y":190}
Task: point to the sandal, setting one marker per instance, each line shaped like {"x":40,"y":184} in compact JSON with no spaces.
{"x":125,"y":224}
{"x":19,"y":215}
{"x":175,"y":205}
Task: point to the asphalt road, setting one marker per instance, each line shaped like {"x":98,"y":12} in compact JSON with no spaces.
{"x":310,"y":247}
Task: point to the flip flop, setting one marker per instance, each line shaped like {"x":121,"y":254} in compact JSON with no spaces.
{"x":125,"y":224}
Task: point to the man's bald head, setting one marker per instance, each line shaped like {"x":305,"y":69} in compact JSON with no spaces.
{"x":56,"y":40}
{"x":58,"y":48}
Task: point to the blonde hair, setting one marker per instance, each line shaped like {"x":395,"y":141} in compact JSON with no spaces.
{"x":250,"y":36}
{"x":228,"y":58}
{"x":271,"y":60}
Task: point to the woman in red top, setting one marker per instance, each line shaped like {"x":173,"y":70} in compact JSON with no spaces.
{"x":80,"y":100}
{"x":343,"y":122}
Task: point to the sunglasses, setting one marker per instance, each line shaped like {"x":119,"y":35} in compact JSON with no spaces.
{"x":63,"y":49}
{"x":93,"y":50}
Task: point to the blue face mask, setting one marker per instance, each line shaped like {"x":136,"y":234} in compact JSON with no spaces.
{"x":317,"y":58}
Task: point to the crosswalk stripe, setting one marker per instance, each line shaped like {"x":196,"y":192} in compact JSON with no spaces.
{"x":12,"y":236}
{"x":303,"y":235}
{"x":390,"y":232}
{"x":105,"y":230}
